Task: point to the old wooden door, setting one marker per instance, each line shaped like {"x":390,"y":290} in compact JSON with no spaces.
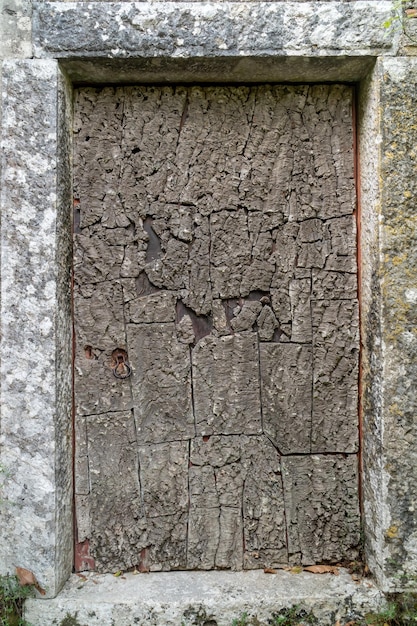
{"x":216,"y":327}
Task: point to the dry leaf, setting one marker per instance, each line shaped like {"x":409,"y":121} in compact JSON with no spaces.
{"x":28,"y":578}
{"x":297,"y":569}
{"x":323,"y":569}
{"x":269,"y":570}
{"x":119,"y":573}
{"x":411,"y":12}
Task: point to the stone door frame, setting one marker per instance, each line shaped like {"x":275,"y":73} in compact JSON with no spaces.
{"x":126,"y":42}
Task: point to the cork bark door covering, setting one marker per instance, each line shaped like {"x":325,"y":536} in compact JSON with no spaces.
{"x":216,"y":327}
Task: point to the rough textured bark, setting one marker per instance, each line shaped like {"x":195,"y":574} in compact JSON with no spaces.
{"x":214,"y":266}
{"x":115,"y":510}
{"x":287,"y":376}
{"x":321,"y":507}
{"x":226,"y":385}
{"x":161,"y":383}
{"x":335,"y":378}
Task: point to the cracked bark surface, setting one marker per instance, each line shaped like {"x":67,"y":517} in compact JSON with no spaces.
{"x":215,"y":251}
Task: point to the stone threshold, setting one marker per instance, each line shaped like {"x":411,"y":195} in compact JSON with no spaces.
{"x":214,"y":598}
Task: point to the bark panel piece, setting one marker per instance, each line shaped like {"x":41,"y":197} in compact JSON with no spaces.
{"x":154,"y":308}
{"x":343,"y":241}
{"x":226,"y":385}
{"x":321,"y":508}
{"x":82,"y":508}
{"x":286,"y":376}
{"x":263,"y":506}
{"x":328,"y":285}
{"x":164,"y":483}
{"x":100,"y":329}
{"x":335,"y":379}
{"x":151,"y":130}
{"x":161,"y":383}
{"x":300,"y":295}
{"x":246,"y":317}
{"x":117,"y":524}
{"x":213,"y":137}
{"x":100,"y":316}
{"x":230,"y":252}
{"x":267,"y":324}
{"x":96,"y":387}
{"x":199,"y":294}
{"x":203,"y":538}
{"x":236,"y":503}
{"x":217,"y":474}
{"x":164,"y":478}
{"x":166,"y":542}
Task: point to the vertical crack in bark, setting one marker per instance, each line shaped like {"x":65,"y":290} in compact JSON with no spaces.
{"x":312,"y":361}
{"x":188,"y":504}
{"x":287,"y":541}
{"x":192,"y":389}
{"x":260,"y":382}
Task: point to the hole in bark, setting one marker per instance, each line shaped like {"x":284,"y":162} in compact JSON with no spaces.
{"x":229,"y":307}
{"x":202,"y":324}
{"x":88,"y":351}
{"x":144,"y":287}
{"x":258,"y":295}
{"x":154,"y":250}
{"x":117,"y":355}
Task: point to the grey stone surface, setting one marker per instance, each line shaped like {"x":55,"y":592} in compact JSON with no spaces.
{"x":389,"y":326}
{"x":35,"y":448}
{"x":224,"y":29}
{"x":173,"y":598}
{"x":15,"y":29}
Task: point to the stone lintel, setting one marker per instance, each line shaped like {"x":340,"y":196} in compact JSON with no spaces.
{"x":223,"y":69}
{"x":35,"y":443}
{"x":211,"y":29}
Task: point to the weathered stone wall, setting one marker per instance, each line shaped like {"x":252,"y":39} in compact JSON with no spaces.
{"x":111,"y":42}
